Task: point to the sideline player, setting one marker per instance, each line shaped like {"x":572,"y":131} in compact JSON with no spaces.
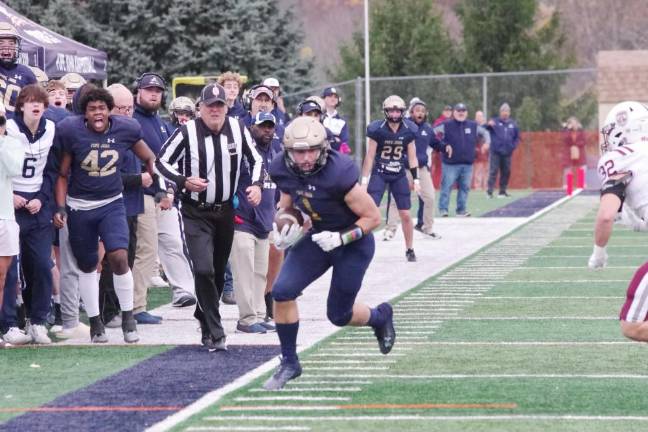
{"x":623,"y":171}
{"x":93,"y":146}
{"x":391,"y":145}
{"x":322,"y":183}
{"x":13,"y":76}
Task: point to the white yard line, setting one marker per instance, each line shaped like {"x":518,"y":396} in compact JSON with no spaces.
{"x":247,"y":428}
{"x":397,"y":418}
{"x":291,"y":398}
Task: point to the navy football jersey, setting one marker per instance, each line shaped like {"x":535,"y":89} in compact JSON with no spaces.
{"x":321,"y":195}
{"x":97,"y":157}
{"x":391,"y":152}
{"x":12,"y":80}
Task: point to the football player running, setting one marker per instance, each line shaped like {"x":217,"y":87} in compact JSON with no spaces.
{"x":93,"y":146}
{"x":391,"y":147}
{"x":323,"y":184}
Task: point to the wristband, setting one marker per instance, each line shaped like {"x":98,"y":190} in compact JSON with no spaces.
{"x":351,"y":235}
{"x":364,"y":180}
{"x":414,"y":172}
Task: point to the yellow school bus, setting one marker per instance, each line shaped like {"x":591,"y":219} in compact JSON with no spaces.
{"x":190,"y":86}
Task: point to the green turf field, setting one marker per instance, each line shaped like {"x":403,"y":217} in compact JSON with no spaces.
{"x":519,"y":337}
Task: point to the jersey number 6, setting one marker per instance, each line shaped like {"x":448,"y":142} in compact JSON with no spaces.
{"x":91,"y":163}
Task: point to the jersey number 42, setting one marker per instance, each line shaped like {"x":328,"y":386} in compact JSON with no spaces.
{"x":91,"y":163}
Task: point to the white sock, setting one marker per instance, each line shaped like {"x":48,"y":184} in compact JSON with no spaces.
{"x":89,"y":290}
{"x":124,"y":290}
{"x":56,"y":298}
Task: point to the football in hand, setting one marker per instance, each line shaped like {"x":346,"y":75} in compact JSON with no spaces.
{"x":288,"y":216}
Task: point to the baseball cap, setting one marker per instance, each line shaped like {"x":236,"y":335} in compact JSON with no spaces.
{"x":212,"y":93}
{"x":271,"y":82}
{"x":447,"y":108}
{"x":330,"y":91}
{"x":149,"y":80}
{"x":263,"y":117}
{"x":460,"y":107}
{"x":310,"y":105}
{"x":416,"y":101}
{"x":262,"y":89}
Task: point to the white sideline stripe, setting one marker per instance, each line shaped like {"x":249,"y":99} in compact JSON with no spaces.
{"x":335,"y":380}
{"x":549,"y":297}
{"x":372,"y":354}
{"x":362,"y":338}
{"x":589,"y":245}
{"x":588,"y":255}
{"x":520,"y":417}
{"x":309,"y":390}
{"x":350,"y":362}
{"x":281,"y":408}
{"x":348,"y":368}
{"x":588,"y":318}
{"x":291,"y":398}
{"x":359,"y":350}
{"x":579,"y":267}
{"x":248,"y":428}
{"x":566,"y":281}
{"x":508,"y":376}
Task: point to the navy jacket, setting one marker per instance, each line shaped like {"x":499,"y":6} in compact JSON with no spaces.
{"x":505,"y":136}
{"x":154,"y":132}
{"x":424,"y":139}
{"x":462,"y":137}
{"x":257,"y":220}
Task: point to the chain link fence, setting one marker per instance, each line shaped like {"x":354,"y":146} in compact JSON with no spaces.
{"x":541,"y":102}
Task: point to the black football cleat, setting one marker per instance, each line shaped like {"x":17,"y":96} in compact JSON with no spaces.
{"x":284,"y":373}
{"x":410,"y":255}
{"x":386,"y":334}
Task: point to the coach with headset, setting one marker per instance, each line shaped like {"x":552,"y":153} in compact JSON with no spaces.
{"x":159,"y":230}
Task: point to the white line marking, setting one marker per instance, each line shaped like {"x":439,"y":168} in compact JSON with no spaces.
{"x":309,"y":390}
{"x":335,"y":379}
{"x":549,"y":297}
{"x":527,"y":318}
{"x":579,"y":267}
{"x":248,"y":428}
{"x":281,"y":408}
{"x":291,"y":398}
{"x":349,"y":362}
{"x":534,"y":343}
{"x":348,"y":368}
{"x":354,"y":354}
{"x":565,"y":281}
{"x":507,"y":376}
{"x":428,"y":418}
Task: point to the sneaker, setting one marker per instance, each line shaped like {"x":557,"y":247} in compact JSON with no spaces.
{"x":158,"y":282}
{"x":81,"y":331}
{"x":4,"y":344}
{"x":386,"y":334}
{"x":410,"y":255}
{"x":444,"y":213}
{"x":147,"y":318}
{"x":228,"y":298}
{"x":97,"y":331}
{"x":15,"y":336}
{"x":432,"y":235}
{"x":490,"y":194}
{"x":269,"y":325}
{"x":503,"y":195}
{"x":464,"y":214}
{"x":38,"y":333}
{"x":182,"y":298}
{"x":116,"y":322}
{"x":388,"y":234}
{"x":254,"y":328}
{"x":284,"y":373}
{"x":129,"y":328}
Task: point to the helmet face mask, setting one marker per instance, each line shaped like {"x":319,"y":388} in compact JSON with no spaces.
{"x":306,"y":147}
{"x":9,"y":49}
{"x":181,"y":110}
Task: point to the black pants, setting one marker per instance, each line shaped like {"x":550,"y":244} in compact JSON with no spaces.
{"x":501,"y":163}
{"x":108,"y":302}
{"x":209,"y":235}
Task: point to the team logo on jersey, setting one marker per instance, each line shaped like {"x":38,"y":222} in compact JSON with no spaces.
{"x":423,"y":133}
{"x":110,"y":140}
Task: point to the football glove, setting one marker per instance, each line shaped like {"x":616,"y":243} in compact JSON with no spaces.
{"x":598,"y":259}
{"x":289,"y":235}
{"x":328,"y":240}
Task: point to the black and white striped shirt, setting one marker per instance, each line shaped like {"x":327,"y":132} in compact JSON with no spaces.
{"x":195,"y":150}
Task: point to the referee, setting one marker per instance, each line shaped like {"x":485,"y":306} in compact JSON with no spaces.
{"x":204,"y":157}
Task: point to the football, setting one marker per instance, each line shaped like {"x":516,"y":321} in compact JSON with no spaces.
{"x":288,"y":216}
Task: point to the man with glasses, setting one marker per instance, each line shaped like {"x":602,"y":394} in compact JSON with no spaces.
{"x":459,"y":137}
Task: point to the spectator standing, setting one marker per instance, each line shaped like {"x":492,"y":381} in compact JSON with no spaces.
{"x":480,"y":168}
{"x":333,"y":121}
{"x":72,"y":82}
{"x":232,"y":82}
{"x":159,"y":229}
{"x":505,"y":137}
{"x":459,"y":137}
{"x":279,"y":109}
{"x":250,"y":249}
{"x":574,"y":143}
{"x":213,"y":147}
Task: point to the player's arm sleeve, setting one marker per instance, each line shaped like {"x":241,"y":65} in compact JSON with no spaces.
{"x":253,"y":157}
{"x":616,"y":185}
{"x":372,"y":133}
{"x":344,"y":133}
{"x":172,"y":150}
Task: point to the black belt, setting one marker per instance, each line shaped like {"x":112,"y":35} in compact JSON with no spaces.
{"x":206,"y":206}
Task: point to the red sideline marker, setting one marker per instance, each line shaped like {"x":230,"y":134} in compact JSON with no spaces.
{"x":580,"y":180}
{"x":569,"y":181}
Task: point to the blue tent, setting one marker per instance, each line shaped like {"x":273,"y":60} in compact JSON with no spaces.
{"x":53,"y":53}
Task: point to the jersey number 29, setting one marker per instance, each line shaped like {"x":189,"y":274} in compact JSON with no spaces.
{"x":91,"y":163}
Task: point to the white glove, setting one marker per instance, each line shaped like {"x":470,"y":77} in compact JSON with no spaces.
{"x":328,"y":240}
{"x":598,"y":259}
{"x":289,"y":235}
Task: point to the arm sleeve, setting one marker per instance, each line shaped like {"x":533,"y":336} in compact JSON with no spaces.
{"x":172,"y":150}
{"x":347,"y":176}
{"x":253,"y":157}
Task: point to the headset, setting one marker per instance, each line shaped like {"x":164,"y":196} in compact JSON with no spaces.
{"x":139,"y":79}
{"x":247,"y":98}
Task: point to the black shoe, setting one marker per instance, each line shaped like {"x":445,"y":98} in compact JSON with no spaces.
{"x":410,"y":255}
{"x":212,"y":344}
{"x":283,"y":374}
{"x":58,"y":318}
{"x":129,"y":327}
{"x":386,"y":334}
{"x":490,"y":194}
{"x":503,"y":195}
{"x":97,"y":331}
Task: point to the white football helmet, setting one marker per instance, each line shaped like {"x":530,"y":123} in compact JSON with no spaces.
{"x":626,"y":123}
